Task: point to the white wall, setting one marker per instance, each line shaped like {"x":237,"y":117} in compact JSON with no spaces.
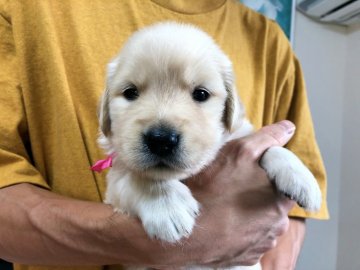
{"x":322,"y":50}
{"x":349,"y":219}
{"x":330,"y":56}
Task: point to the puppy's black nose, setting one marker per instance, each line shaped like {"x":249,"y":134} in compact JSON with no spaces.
{"x":161,"y":141}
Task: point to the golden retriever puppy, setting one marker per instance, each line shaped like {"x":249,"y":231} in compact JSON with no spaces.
{"x":170,"y":104}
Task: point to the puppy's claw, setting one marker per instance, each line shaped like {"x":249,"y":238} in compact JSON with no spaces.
{"x":176,"y":228}
{"x":287,"y":195}
{"x":291,"y":197}
{"x":301,"y":205}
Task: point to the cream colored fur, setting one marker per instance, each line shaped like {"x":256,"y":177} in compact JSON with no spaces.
{"x":166,"y":62}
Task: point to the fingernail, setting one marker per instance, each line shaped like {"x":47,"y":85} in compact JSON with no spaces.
{"x":289,"y":126}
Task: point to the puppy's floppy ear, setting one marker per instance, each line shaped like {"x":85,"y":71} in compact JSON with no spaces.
{"x":233,"y":109}
{"x":104,"y":114}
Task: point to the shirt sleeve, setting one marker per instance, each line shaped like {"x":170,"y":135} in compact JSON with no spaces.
{"x":15,"y":149}
{"x":292,"y":104}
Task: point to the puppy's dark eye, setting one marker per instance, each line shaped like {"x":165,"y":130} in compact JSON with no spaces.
{"x":131,"y":93}
{"x":200,"y":94}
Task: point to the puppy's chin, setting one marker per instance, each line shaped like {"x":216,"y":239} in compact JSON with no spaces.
{"x":170,"y":171}
{"x":163,"y":173}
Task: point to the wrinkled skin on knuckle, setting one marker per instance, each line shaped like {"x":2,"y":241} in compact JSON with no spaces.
{"x":249,"y":258}
{"x":282,"y":227}
{"x":266,"y":245}
{"x":280,"y":206}
{"x":247,"y":150}
{"x":272,"y":244}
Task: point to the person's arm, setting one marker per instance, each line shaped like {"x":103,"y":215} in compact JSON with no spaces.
{"x":240,"y":219}
{"x":284,"y":255}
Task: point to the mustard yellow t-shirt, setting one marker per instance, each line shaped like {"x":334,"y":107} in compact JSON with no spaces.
{"x":53,"y":56}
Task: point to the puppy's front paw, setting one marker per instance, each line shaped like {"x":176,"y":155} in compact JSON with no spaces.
{"x":291,"y":177}
{"x":171,"y":215}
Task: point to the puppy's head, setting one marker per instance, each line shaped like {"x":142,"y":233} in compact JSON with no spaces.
{"x":170,"y":101}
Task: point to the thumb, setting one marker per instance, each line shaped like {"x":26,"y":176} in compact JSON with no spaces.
{"x":277,"y":134}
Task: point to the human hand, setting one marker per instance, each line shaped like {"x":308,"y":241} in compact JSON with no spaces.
{"x":286,"y":252}
{"x":241,"y":215}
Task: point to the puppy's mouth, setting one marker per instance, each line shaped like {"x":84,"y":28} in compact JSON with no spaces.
{"x":153,"y":163}
{"x":162,"y":166}
{"x":166,"y":165}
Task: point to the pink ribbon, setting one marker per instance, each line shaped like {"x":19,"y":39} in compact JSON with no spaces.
{"x":103,"y":164}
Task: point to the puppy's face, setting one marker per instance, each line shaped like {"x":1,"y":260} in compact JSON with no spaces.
{"x":169,"y":102}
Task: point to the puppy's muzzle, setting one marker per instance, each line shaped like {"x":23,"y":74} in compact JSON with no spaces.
{"x":162,"y":141}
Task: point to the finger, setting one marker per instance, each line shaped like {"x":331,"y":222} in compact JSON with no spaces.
{"x":239,"y":261}
{"x":287,"y":203}
{"x":280,"y":133}
{"x":277,"y":134}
